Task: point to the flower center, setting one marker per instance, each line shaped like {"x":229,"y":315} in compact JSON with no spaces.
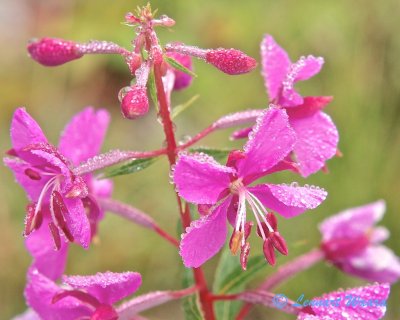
{"x":236,"y":186}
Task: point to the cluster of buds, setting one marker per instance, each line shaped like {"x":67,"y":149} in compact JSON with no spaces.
{"x":141,"y":60}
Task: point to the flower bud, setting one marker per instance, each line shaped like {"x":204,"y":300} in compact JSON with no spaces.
{"x":135,"y":103}
{"x":133,"y":60}
{"x":231,"y":61}
{"x":53,"y":52}
{"x":182,"y":79}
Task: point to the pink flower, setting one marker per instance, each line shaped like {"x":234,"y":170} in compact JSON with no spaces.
{"x":56,"y":213}
{"x":367,"y":303}
{"x":81,"y":297}
{"x":201,"y":180}
{"x":352,"y":243}
{"x":317,"y":136}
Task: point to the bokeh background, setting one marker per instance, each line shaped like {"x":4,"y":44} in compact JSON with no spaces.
{"x":361,"y":45}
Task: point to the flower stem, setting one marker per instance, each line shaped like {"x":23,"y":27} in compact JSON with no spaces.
{"x":136,"y":216}
{"x":284,"y":273}
{"x":164,"y":113}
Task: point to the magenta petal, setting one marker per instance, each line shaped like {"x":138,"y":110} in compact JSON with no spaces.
{"x":39,"y":293}
{"x":108,"y":287}
{"x":352,"y":222}
{"x":32,"y":187}
{"x":376,"y":263}
{"x":275,"y":65}
{"x":310,"y":106}
{"x":200,"y":179}
{"x":101,"y":188}
{"x":205,"y":237}
{"x":46,"y":260}
{"x":77,"y":221}
{"x":25,"y":130}
{"x":289,"y":200}
{"x":348,"y":308}
{"x":317,"y":139}
{"x":270,"y":142}
{"x":84,"y":135}
{"x":303,"y":69}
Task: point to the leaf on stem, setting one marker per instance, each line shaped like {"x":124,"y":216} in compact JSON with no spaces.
{"x":230,"y":278}
{"x":130,"y":167}
{"x":175,"y":64}
{"x":152,"y":89}
{"x":182,"y":107}
{"x":218,"y":154}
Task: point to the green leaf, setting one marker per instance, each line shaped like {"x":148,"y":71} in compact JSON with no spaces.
{"x":182,"y":107}
{"x":191,"y":306}
{"x":217,"y":154}
{"x":175,"y":64}
{"x":230,"y":278}
{"x":153,"y":90}
{"x":130,"y":167}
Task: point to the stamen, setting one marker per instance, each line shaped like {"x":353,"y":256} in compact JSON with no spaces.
{"x":29,"y":219}
{"x":34,"y":175}
{"x":235,"y":241}
{"x":259,"y":225}
{"x":58,"y":211}
{"x":43,"y":193}
{"x":80,"y":295}
{"x":56,"y":236}
{"x":244,"y":255}
{"x":269,"y":251}
{"x":259,"y":205}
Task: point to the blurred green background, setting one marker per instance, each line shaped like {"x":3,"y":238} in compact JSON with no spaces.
{"x":361,"y":45}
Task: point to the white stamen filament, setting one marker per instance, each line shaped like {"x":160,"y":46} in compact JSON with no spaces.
{"x":256,"y":213}
{"x":46,"y":187}
{"x":263,"y":216}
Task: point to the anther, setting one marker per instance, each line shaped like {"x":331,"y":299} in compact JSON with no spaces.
{"x":235,"y":242}
{"x":55,"y":235}
{"x":34,"y":175}
{"x":269,"y":251}
{"x":244,"y":255}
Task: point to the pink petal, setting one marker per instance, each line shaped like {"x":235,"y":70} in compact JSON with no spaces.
{"x":101,"y":188}
{"x":303,"y":69}
{"x":270,"y":142}
{"x":46,"y":260}
{"x":352,"y":222}
{"x":376,"y":263}
{"x":348,"y":308}
{"x":77,"y":221}
{"x":238,"y":118}
{"x":200,"y":179}
{"x":84,"y":135}
{"x":205,"y":237}
{"x":275,"y":65}
{"x":108,"y":287}
{"x":25,"y":130}
{"x":32,"y":187}
{"x":39,"y":293}
{"x":317,"y":139}
{"x":289,"y":200}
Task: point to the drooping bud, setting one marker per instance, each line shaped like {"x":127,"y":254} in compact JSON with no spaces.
{"x":135,"y":103}
{"x":269,"y":251}
{"x":230,"y":61}
{"x":53,"y":52}
{"x":279,"y":243}
{"x":244,"y":255}
{"x":133,"y":60}
{"x":235,"y":241}
{"x":182,"y":79}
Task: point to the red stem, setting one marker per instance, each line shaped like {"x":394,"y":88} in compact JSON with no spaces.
{"x":166,"y":236}
{"x":205,"y":297}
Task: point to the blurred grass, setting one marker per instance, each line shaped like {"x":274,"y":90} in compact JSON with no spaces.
{"x":360,"y":43}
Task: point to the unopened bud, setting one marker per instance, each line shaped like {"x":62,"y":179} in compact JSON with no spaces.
{"x":53,"y":52}
{"x":135,"y":103}
{"x":231,"y":61}
{"x":133,"y":60}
